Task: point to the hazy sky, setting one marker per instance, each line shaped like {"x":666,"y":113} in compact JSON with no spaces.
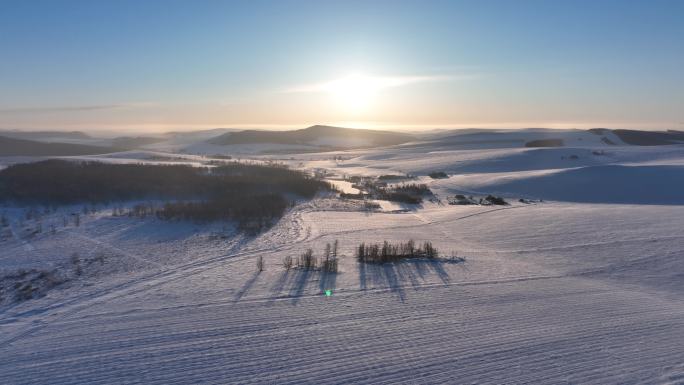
{"x":195,"y":64}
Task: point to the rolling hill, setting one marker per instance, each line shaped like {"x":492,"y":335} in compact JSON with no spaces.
{"x":317,"y":136}
{"x":650,"y":138}
{"x":45,"y":135}
{"x":130,"y":142}
{"x":23,"y":147}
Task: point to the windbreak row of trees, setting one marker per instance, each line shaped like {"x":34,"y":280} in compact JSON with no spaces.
{"x":390,"y":252}
{"x":308,"y":261}
{"x":244,"y":192}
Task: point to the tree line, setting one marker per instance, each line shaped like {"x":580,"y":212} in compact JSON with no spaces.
{"x":244,"y":192}
{"x":390,"y":252}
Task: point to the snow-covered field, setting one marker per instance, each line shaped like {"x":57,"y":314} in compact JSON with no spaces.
{"x":583,"y":287}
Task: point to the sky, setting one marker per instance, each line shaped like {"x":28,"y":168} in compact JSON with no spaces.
{"x":144,"y":65}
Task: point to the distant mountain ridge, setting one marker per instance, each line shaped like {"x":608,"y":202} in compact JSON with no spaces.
{"x":318,"y":135}
{"x":38,"y":135}
{"x":133,"y":142}
{"x":23,"y":147}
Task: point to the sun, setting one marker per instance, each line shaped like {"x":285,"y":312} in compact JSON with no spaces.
{"x":354,"y":93}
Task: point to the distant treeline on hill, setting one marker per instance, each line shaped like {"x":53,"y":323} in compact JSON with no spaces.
{"x":233,"y":191}
{"x":10,"y":146}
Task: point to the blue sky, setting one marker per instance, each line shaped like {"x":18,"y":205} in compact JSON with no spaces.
{"x":196,"y":64}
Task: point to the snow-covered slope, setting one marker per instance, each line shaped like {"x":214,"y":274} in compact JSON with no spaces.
{"x":658,"y":184}
{"x":488,"y":138}
{"x":314,"y":138}
{"x":609,"y":174}
{"x":549,"y":293}
{"x":174,"y":141}
{"x":583,"y":288}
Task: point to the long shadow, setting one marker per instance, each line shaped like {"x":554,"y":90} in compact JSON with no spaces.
{"x":245,"y":288}
{"x":362,"y":276}
{"x":421,"y":270}
{"x":375,"y":274}
{"x":299,"y":284}
{"x":393,"y":281}
{"x":415,"y":271}
{"x":327,"y":281}
{"x":384,"y":275}
{"x":279,"y":285}
{"x":439,"y":269}
{"x":409,"y":271}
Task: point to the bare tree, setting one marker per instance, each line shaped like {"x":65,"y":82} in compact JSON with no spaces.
{"x":260,"y":264}
{"x":287,"y":263}
{"x":326,"y":253}
{"x":334,"y":249}
{"x":307,"y":261}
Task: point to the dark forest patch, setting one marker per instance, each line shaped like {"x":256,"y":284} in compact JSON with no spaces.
{"x":243,"y":192}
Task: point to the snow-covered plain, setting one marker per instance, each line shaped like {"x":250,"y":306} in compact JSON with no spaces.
{"x":583,"y":287}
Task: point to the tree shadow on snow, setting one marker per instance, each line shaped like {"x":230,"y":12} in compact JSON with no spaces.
{"x":396,"y":276}
{"x":245,"y":287}
{"x":391,"y":276}
{"x":362,"y":276}
{"x":438,"y":268}
{"x":382,"y":275}
{"x":327,"y":281}
{"x":293,"y":284}
{"x":279,"y":285}
{"x":299,"y":283}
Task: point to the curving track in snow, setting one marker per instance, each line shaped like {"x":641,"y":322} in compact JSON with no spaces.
{"x":523,"y":312}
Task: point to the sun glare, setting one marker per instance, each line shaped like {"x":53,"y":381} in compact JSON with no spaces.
{"x":354,"y":92}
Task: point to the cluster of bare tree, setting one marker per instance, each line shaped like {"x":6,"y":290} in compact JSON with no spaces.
{"x":307,"y":261}
{"x":389,"y":252}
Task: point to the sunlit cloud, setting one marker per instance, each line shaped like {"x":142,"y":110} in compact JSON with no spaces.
{"x":356,"y":92}
{"x":374,"y":83}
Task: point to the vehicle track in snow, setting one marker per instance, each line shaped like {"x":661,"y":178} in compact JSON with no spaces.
{"x":148,"y":281}
{"x":182,"y":271}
